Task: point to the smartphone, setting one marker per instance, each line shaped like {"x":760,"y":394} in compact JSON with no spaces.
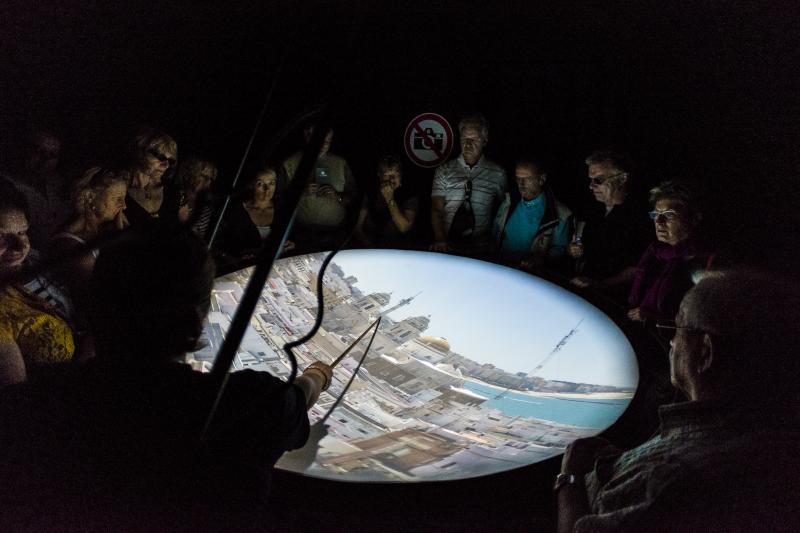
{"x":321,"y":176}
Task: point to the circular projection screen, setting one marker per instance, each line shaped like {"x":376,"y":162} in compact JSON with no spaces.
{"x":475,"y":369}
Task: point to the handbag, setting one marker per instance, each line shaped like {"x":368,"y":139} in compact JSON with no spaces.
{"x":463,"y":224}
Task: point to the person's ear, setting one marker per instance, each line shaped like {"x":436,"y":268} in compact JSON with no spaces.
{"x":87,"y":199}
{"x":542,"y":178}
{"x":705,"y":358}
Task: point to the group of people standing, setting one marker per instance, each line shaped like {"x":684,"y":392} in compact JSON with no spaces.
{"x":102,"y":424}
{"x":114,"y":442}
{"x":473,"y":212}
{"x":612,"y":250}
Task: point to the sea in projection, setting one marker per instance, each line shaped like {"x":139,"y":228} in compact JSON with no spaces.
{"x":474,"y":368}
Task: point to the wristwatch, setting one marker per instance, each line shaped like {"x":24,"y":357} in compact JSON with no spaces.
{"x":565,"y":479}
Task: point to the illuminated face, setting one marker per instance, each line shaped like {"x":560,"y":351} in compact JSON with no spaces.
{"x":14,"y":242}
{"x":472,"y":144}
{"x":390,"y":175}
{"x":158,"y":159}
{"x":603,"y":181}
{"x":264,"y":186}
{"x":529,"y":182}
{"x":110,"y":203}
{"x":671,"y":221}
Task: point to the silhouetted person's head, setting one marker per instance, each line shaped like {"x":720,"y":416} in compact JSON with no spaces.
{"x":151,"y":292}
{"x":737,"y":337}
{"x":42,"y":153}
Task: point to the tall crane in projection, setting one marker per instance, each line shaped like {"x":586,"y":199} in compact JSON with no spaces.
{"x":555,"y":350}
{"x":401,"y":303}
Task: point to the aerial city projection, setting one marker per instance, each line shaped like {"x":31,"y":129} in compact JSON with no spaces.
{"x":475,"y":368}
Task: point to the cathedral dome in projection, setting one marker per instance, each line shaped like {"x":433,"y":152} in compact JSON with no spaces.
{"x":440,"y":343}
{"x":410,"y":409}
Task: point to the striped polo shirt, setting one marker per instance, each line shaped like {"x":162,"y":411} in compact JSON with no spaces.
{"x":488,"y":189}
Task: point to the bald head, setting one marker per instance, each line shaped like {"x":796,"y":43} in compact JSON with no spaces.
{"x":747,"y":323}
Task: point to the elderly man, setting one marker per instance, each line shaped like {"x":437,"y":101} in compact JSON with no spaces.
{"x":616,"y":232}
{"x":531,"y":227}
{"x":725,"y":460}
{"x":465,"y":193}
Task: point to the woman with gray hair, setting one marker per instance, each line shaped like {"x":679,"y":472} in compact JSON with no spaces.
{"x":664,"y":273}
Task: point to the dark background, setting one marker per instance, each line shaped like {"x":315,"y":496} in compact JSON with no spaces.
{"x":707,"y":90}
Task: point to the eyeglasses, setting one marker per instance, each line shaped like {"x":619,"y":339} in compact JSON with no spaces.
{"x":669,"y":214}
{"x":599,"y":180}
{"x":161,"y":157}
{"x":667,"y":328}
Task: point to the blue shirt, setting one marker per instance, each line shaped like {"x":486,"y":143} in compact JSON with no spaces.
{"x":523,"y":224}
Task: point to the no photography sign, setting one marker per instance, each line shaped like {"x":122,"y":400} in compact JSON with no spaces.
{"x":428,"y":140}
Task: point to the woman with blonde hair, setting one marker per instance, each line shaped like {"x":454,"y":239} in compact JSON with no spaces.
{"x":152,"y":192}
{"x":98,"y":200}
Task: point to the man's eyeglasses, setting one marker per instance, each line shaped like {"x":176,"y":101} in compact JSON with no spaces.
{"x":161,"y":157}
{"x":667,"y":328}
{"x":599,"y":180}
{"x":669,"y":214}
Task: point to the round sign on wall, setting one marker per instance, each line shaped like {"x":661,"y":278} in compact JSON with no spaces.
{"x":428,"y":140}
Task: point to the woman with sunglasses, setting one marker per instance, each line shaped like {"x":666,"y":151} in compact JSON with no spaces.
{"x":152,"y":193}
{"x":664,"y":273}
